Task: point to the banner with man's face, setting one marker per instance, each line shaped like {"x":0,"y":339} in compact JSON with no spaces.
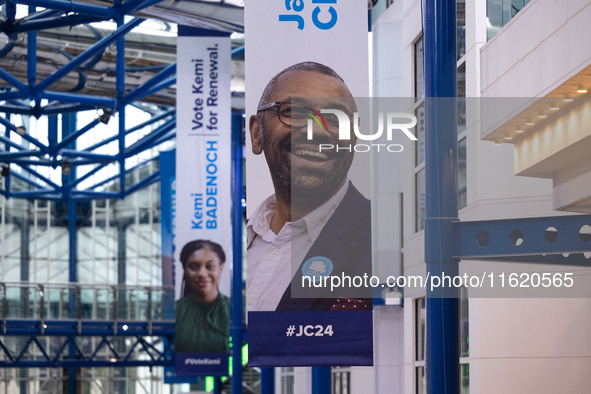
{"x":308,"y":215}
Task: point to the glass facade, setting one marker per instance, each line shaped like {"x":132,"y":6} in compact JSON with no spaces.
{"x":500,"y":12}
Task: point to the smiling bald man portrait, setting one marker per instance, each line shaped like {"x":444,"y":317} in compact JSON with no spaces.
{"x":316,"y":221}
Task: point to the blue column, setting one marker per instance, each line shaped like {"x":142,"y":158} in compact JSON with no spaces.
{"x":321,"y":380}
{"x":443,"y":349}
{"x":237,"y":214}
{"x":268,"y":380}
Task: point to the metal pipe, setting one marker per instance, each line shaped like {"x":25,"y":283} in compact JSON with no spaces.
{"x":145,"y":142}
{"x":25,"y":153}
{"x":139,"y":92}
{"x":49,"y":23}
{"x":76,"y":134}
{"x":129,"y":170}
{"x":72,"y":278}
{"x":27,"y":180}
{"x":32,"y":54}
{"x":443,"y":347}
{"x":131,"y":6}
{"x":147,"y":181}
{"x":90,"y":52}
{"x":156,"y":88}
{"x":78,"y":98}
{"x":73,"y":6}
{"x":41,"y":177}
{"x":131,"y":130}
{"x":77,"y":153}
{"x":120,"y":86}
{"x":14,"y":82}
{"x":9,"y":142}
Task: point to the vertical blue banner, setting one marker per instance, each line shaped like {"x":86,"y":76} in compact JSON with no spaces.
{"x":202,"y":255}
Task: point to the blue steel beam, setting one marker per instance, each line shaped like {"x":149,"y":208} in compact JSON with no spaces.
{"x":90,"y":155}
{"x":236,"y":330}
{"x":8,"y":77}
{"x":443,"y":333}
{"x":50,"y":23}
{"x":41,"y":177}
{"x":131,"y":6}
{"x":150,"y":179}
{"x":140,"y":91}
{"x":98,"y":168}
{"x":120,"y":91}
{"x":9,"y":142}
{"x":26,"y":136}
{"x":52,"y":110}
{"x":32,"y":54}
{"x":88,"y":54}
{"x":523,"y":237}
{"x":92,"y":195}
{"x":31,"y":162}
{"x":78,"y":98}
{"x":38,"y":195}
{"x":70,"y":138}
{"x":29,"y":181}
{"x":132,"y":129}
{"x":164,"y":84}
{"x":73,"y":6}
{"x":23,"y":153}
{"x":146,"y":142}
{"x":166,"y":137}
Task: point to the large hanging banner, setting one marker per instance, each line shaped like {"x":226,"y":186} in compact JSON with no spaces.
{"x":203,"y":237}
{"x":308,"y":215}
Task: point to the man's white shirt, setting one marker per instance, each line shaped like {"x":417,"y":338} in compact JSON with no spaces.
{"x":269,"y":255}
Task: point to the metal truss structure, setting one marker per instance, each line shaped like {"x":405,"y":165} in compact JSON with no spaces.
{"x":72,"y":325}
{"x":102,"y":70}
{"x":53,"y":66}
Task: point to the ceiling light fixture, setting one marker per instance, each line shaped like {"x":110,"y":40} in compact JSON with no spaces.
{"x":581,"y":89}
{"x":528,"y":122}
{"x":21,"y":130}
{"x":5,"y":170}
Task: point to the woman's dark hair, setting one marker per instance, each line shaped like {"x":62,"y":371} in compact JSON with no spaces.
{"x":192,"y":246}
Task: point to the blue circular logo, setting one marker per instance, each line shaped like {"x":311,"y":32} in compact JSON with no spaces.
{"x":317,"y":267}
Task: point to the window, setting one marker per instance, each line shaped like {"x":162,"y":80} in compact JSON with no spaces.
{"x":460,"y":28}
{"x":464,"y":342}
{"x":462,"y":174}
{"x":420,"y":345}
{"x":341,"y":380}
{"x":419,"y":109}
{"x":419,"y":72}
{"x":499,"y":12}
{"x":287,"y":380}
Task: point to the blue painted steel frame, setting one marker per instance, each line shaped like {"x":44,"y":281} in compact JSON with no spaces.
{"x":443,"y":347}
{"x":79,"y":12}
{"x":496,"y":239}
{"x":237,"y":329}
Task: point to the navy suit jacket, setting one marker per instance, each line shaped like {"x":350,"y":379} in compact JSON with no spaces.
{"x":346,"y":241}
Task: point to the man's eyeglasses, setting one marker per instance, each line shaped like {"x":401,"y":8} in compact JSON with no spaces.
{"x":295,"y":115}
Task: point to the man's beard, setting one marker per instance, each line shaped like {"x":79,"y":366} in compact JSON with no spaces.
{"x":307,"y":188}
